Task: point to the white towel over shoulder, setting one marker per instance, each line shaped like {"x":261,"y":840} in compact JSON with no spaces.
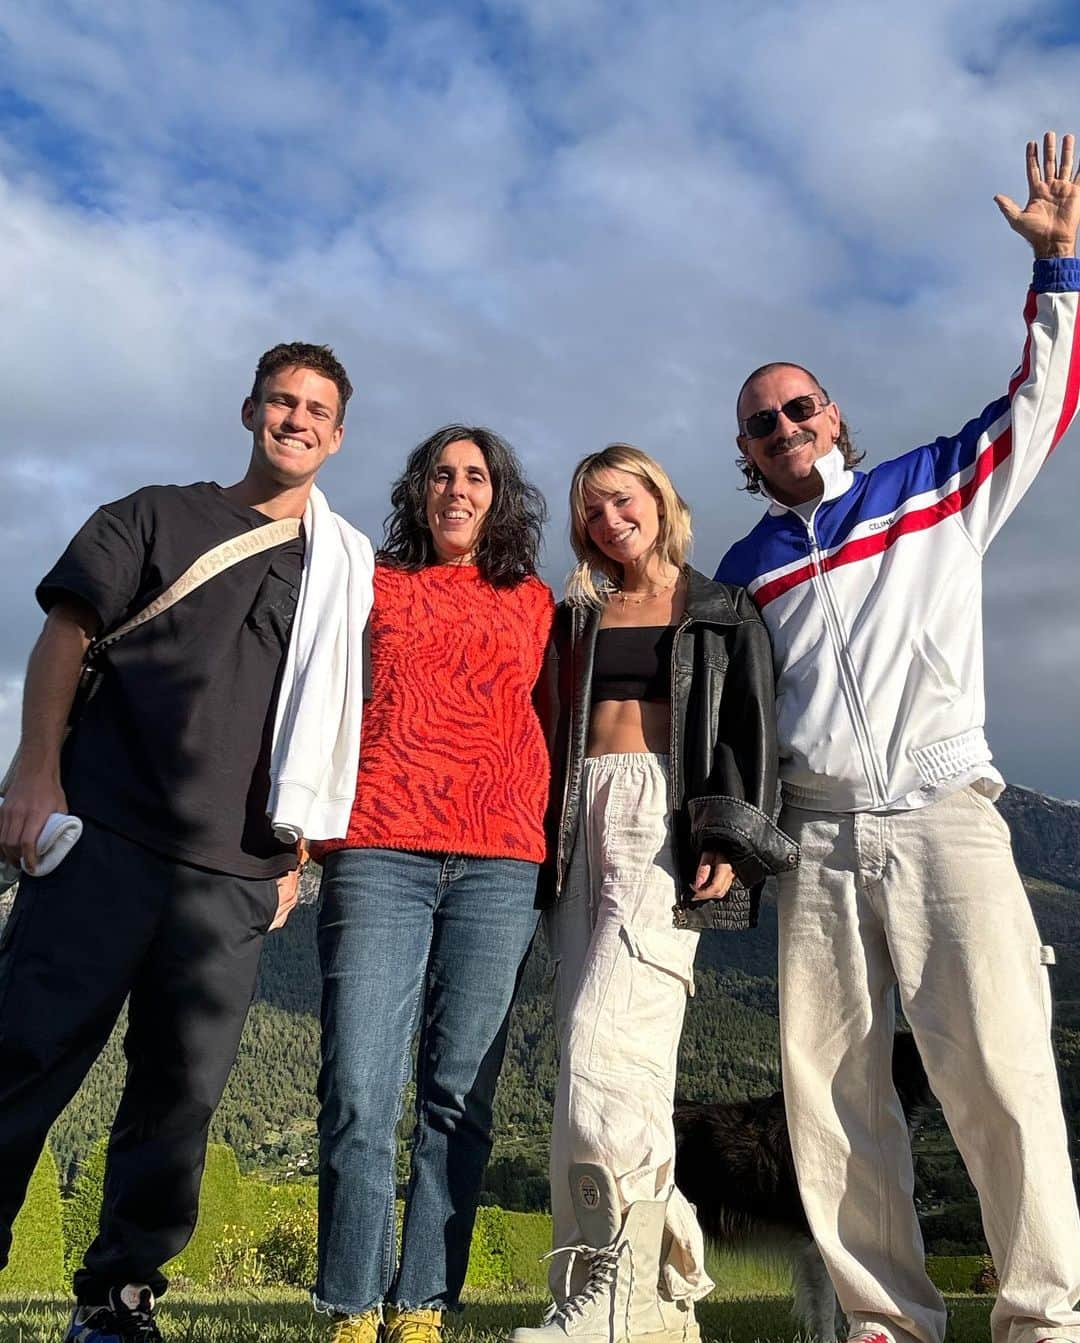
{"x":316,"y":747}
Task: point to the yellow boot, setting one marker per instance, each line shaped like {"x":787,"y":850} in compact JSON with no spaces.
{"x":362,"y":1328}
{"x":412,"y":1326}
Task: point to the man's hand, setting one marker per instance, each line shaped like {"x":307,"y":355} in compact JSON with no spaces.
{"x":288,"y":888}
{"x":713,"y":877}
{"x":52,"y":675}
{"x":28,"y":804}
{"x":1050,"y":219}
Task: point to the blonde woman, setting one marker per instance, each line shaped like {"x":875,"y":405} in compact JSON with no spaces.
{"x":664,"y":776}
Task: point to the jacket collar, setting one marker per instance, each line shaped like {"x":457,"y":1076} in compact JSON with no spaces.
{"x":708,"y":600}
{"x":836,"y":478}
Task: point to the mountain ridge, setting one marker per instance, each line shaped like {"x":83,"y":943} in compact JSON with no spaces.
{"x":729,"y":1049}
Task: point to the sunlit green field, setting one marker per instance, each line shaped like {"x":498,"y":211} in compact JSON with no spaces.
{"x":751,"y":1304}
{"x":284,"y":1316}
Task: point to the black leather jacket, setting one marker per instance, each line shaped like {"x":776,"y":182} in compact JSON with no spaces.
{"x":723,"y":747}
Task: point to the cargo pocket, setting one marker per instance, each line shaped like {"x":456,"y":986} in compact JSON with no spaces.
{"x":641,"y":1016}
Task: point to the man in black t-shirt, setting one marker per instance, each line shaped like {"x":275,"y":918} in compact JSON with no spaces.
{"x":165,"y":899}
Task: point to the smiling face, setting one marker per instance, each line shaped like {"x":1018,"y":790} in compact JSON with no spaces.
{"x":459,"y":495}
{"x":622,"y":515}
{"x":787,"y":456}
{"x":294,"y":425}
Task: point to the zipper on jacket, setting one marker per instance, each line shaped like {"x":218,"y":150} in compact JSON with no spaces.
{"x":673,"y":766}
{"x":560,"y":857}
{"x":849,"y":683}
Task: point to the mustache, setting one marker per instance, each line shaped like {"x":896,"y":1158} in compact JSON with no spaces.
{"x":795,"y":440}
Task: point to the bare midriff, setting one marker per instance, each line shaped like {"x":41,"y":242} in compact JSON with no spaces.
{"x":629,"y":727}
{"x":635,"y":726}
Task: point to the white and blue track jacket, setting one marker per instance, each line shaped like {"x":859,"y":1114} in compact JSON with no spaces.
{"x":875,"y":605}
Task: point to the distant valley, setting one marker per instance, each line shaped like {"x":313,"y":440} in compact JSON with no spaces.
{"x":729,"y":1048}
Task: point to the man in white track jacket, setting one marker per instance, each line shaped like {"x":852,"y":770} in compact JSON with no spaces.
{"x":870,"y":584}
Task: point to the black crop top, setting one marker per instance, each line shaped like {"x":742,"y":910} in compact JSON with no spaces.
{"x":633,"y":662}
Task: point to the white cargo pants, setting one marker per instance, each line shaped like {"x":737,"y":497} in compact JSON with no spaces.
{"x":622,"y":976}
{"x":929,"y":901}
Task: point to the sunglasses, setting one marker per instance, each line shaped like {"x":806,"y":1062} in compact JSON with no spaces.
{"x":797,"y":410}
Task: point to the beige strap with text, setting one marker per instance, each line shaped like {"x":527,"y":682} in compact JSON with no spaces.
{"x":215,"y":561}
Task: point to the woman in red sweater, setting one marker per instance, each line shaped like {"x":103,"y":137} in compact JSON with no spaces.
{"x":427,"y":908}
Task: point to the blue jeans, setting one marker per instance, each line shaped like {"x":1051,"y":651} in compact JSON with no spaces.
{"x":408,"y":938}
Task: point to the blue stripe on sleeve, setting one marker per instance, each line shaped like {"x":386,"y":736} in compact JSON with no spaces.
{"x":923,"y":470}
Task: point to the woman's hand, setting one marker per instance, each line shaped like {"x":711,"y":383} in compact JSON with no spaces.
{"x":288,"y":888}
{"x":713,"y":878}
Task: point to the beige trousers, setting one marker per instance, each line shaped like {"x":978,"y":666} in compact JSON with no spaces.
{"x":622,"y":976}
{"x":930,"y":902}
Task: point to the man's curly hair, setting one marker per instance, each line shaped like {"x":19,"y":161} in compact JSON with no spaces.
{"x":508,"y":550}
{"x":751,"y":475}
{"x":298,"y":354}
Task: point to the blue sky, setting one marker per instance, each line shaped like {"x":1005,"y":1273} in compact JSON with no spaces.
{"x":574,"y":221}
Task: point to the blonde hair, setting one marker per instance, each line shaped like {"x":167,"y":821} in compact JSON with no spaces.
{"x":595,"y":575}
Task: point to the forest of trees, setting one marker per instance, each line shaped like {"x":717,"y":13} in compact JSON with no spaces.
{"x":729,"y":1050}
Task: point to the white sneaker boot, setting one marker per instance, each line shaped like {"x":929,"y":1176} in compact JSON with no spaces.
{"x":618,"y":1301}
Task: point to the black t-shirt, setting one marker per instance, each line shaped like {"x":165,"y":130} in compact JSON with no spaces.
{"x":172,"y":750}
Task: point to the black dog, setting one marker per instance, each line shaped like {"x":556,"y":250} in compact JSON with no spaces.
{"x":733,"y":1162}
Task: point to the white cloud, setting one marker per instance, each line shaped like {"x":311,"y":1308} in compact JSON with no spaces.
{"x":574,"y":222}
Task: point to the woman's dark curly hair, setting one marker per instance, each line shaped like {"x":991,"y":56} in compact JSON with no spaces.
{"x":852,"y":456}
{"x":509,"y":547}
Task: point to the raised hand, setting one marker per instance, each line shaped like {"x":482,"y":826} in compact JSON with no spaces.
{"x":1050,"y":219}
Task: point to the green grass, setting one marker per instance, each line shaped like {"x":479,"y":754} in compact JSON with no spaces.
{"x":285,"y":1316}
{"x":744,"y":1277}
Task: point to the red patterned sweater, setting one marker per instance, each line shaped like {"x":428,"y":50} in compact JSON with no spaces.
{"x":452,"y":757}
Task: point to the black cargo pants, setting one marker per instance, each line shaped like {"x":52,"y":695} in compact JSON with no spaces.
{"x":115,"y":920}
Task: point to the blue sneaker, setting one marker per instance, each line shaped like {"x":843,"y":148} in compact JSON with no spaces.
{"x":127,"y":1317}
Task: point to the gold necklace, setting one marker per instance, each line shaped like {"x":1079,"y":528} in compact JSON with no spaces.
{"x":626,"y":599}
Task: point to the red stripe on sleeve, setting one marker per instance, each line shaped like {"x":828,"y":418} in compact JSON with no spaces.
{"x":1072,"y":393}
